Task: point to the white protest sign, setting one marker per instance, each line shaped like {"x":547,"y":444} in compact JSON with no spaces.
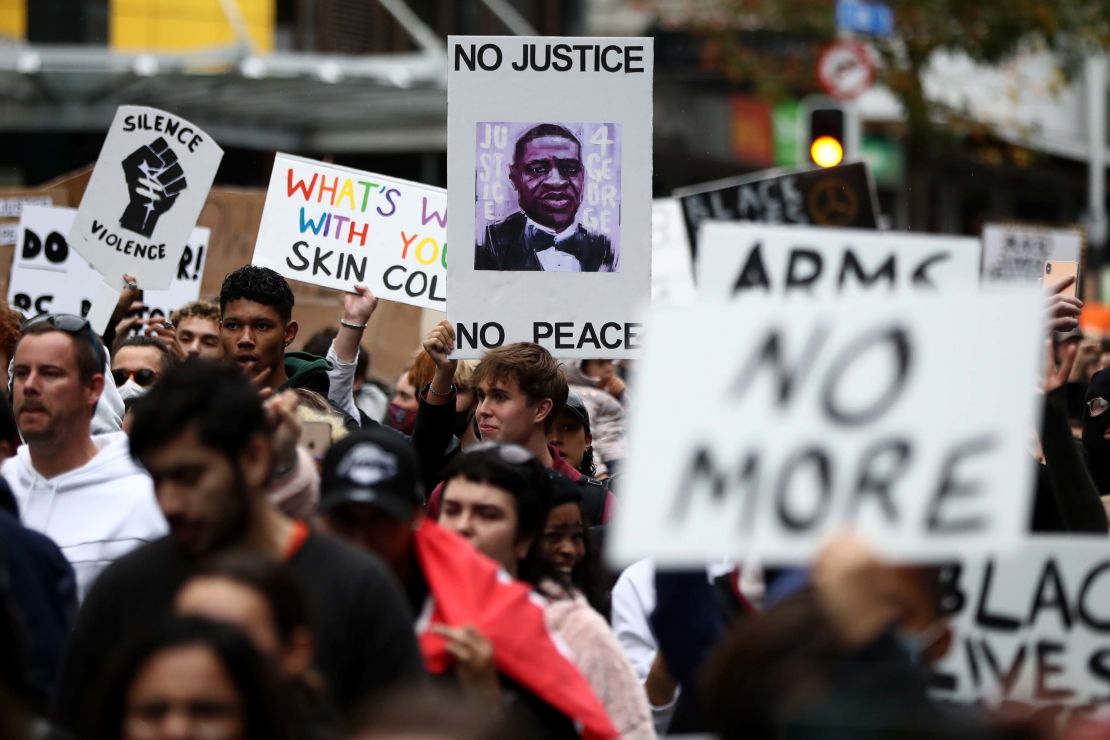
{"x":1032,"y":627}
{"x":144,"y":197}
{"x":1016,"y":253}
{"x":737,"y":259}
{"x":550,"y":192}
{"x":49,"y":277}
{"x":672,"y":269}
{"x":859,"y":412}
{"x":337,"y":227}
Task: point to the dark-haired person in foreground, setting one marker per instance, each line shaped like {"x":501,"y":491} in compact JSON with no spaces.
{"x":212,"y":449}
{"x":81,"y":491}
{"x":190,"y":678}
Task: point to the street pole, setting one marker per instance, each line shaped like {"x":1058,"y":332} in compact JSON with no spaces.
{"x":1094,"y":74}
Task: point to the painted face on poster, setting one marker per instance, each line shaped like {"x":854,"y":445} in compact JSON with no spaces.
{"x":337,"y":227}
{"x":1031,"y":626}
{"x":145,"y":195}
{"x":738,"y":259}
{"x":861,"y":413}
{"x":556,"y":205}
{"x":49,"y":276}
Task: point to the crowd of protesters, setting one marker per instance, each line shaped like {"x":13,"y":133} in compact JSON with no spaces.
{"x":177,"y":561}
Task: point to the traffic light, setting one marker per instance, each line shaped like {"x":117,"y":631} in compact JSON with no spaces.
{"x":826,"y":135}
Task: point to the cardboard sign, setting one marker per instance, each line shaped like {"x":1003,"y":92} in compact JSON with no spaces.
{"x":841,"y":196}
{"x":672,"y":270}
{"x":1016,"y":253}
{"x":337,"y":227}
{"x":11,"y":207}
{"x":864,"y":413}
{"x":1031,"y":627}
{"x":742,"y":259}
{"x":550,"y":187}
{"x":144,"y":196}
{"x":48,"y":276}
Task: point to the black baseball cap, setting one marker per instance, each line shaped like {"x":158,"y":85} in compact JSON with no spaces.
{"x":577,"y":408}
{"x":375,"y":466}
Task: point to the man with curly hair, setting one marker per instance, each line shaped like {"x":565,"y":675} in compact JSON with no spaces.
{"x":198,"y":329}
{"x":256,"y":326}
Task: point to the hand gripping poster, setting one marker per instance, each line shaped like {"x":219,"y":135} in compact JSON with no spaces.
{"x":550,"y":180}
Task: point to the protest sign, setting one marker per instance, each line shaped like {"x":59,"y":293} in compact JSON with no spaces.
{"x":1032,"y":626}
{"x":1016,"y":253}
{"x":550,"y":190}
{"x":841,"y":196}
{"x":145,"y":194}
{"x":49,"y":277}
{"x":739,"y":259}
{"x":864,"y":413}
{"x":11,"y":207}
{"x":337,"y":227}
{"x":672,"y":270}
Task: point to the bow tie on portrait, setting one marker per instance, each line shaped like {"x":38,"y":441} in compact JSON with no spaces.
{"x":541,"y":240}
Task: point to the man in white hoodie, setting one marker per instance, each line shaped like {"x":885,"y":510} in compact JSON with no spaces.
{"x":84,"y":492}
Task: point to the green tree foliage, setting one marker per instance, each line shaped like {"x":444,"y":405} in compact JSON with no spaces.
{"x":773,"y":45}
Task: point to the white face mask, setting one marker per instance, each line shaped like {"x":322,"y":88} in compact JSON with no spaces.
{"x":131,"y":389}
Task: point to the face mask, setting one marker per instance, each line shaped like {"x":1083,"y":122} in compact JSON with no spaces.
{"x":1094,"y":429}
{"x":916,"y":644}
{"x":401,"y":419}
{"x":131,"y":389}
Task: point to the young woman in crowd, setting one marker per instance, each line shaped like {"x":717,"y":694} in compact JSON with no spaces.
{"x":190,"y":677}
{"x":260,"y":598}
{"x":499,"y":497}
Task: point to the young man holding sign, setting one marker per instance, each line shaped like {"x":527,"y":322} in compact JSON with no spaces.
{"x":520,"y":390}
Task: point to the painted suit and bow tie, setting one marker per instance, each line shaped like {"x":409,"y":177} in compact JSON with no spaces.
{"x":517,"y":243}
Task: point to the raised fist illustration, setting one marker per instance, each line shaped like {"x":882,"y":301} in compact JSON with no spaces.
{"x":154,"y":180}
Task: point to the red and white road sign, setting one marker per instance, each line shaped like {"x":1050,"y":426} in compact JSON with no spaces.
{"x":845,"y":69}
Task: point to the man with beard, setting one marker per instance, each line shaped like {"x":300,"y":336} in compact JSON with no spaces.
{"x":83,"y":492}
{"x":212,"y":447}
{"x":548,"y":175}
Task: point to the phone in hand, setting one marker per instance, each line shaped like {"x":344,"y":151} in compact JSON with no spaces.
{"x":316,"y":438}
{"x":1057,"y":271}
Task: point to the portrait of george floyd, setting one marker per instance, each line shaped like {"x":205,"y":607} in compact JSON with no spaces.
{"x":547,"y":197}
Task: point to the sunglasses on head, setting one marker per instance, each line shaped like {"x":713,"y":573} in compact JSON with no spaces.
{"x":509,"y":453}
{"x":143,"y":377}
{"x":70,"y":324}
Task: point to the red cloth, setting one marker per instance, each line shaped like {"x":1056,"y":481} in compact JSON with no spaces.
{"x":297,"y":539}
{"x":469,"y":588}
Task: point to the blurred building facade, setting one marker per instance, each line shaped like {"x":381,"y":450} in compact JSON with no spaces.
{"x":363,"y":83}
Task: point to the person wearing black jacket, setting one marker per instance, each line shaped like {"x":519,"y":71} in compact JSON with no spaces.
{"x":211,"y":446}
{"x":1067,"y":499}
